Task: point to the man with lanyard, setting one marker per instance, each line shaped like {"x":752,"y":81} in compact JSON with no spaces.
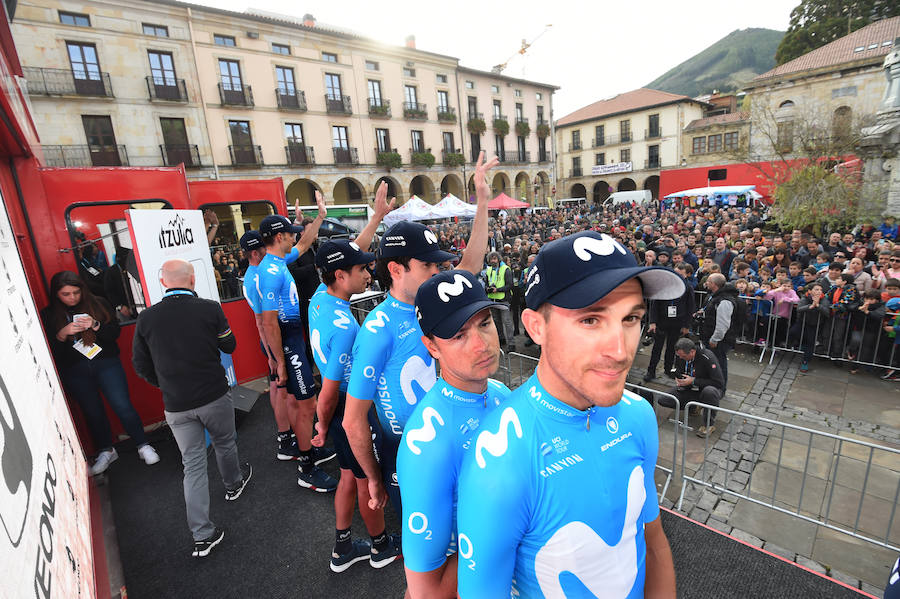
{"x":560,"y":477}
{"x":252,"y":244}
{"x":699,"y":378}
{"x":499,"y":286}
{"x":454,"y":313}
{"x":285,"y":338}
{"x":391,"y":366}
{"x":333,"y":328}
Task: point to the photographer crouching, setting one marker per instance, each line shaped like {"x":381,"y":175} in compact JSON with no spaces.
{"x":698,"y":377}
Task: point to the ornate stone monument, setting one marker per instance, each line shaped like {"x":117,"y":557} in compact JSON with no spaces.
{"x":880,"y":144}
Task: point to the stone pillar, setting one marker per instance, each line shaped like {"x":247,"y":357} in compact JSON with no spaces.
{"x":880,"y":144}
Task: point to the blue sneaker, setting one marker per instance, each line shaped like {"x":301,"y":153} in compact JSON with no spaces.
{"x":804,"y":367}
{"x":322,"y":454}
{"x":380,"y":559}
{"x":358,"y":552}
{"x":317,"y":480}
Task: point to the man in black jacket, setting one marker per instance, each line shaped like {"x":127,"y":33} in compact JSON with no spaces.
{"x":668,"y":319}
{"x":721,"y":319}
{"x":176,"y":348}
{"x":698,"y":378}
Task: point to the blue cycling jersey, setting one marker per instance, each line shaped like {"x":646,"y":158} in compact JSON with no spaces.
{"x":332,"y":330}
{"x":277,"y":288}
{"x":437,"y":433}
{"x":553,"y":500}
{"x":251,"y":289}
{"x":390,"y":364}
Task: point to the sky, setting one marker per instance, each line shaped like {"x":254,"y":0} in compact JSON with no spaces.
{"x":594,"y":49}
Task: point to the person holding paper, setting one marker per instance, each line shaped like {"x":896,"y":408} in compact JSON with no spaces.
{"x":82,"y":329}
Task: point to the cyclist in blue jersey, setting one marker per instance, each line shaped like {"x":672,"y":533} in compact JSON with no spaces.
{"x":454,"y":313}
{"x":391,"y":367}
{"x":342,"y":265}
{"x":556,"y":495}
{"x":285,"y":337}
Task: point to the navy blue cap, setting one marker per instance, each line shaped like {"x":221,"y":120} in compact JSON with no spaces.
{"x":341,"y":253}
{"x":578,"y":270}
{"x":414,"y":240}
{"x":251,"y":240}
{"x":275,"y":223}
{"x":446,"y":301}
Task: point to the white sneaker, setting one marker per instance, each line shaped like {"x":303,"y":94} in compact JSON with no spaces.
{"x":148,"y":454}
{"x":104,"y":459}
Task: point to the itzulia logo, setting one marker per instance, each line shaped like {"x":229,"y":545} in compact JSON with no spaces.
{"x":175,"y":234}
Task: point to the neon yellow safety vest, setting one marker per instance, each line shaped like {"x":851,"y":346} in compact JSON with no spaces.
{"x":494,"y":275}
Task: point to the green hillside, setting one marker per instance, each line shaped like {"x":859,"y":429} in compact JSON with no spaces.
{"x":726,"y":65}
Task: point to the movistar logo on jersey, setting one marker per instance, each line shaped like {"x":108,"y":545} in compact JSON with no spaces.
{"x":342,"y":319}
{"x":273,"y":269}
{"x":584,"y":247}
{"x":377,"y":322}
{"x":315,"y":341}
{"x":497,"y":443}
{"x":426,"y":432}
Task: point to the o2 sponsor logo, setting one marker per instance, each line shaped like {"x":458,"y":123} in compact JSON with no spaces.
{"x":418,"y":524}
{"x":466,"y":550}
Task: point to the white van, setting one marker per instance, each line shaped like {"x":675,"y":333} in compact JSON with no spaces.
{"x":638,"y":197}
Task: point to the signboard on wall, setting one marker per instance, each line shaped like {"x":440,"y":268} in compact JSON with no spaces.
{"x":161,"y":235}
{"x":609,"y":169}
{"x":45,"y":531}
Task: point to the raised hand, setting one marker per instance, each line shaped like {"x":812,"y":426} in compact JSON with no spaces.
{"x":320,"y":203}
{"x":482,"y":188}
{"x":382,"y":206}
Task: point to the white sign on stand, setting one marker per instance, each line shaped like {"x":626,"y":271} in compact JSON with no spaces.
{"x":161,"y":235}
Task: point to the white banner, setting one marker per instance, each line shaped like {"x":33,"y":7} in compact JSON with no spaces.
{"x":608,"y":169}
{"x":160,"y":235}
{"x":45,"y":528}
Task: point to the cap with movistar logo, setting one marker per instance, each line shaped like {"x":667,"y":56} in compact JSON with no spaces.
{"x":446,"y":301}
{"x":530,"y":466}
{"x":275,"y":223}
{"x":414,"y":240}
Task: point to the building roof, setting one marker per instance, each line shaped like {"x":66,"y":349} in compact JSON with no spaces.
{"x":632,"y":101}
{"x":719,"y":119}
{"x":870,"y":42}
{"x":501,"y":76}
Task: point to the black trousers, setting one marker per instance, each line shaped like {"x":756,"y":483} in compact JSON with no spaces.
{"x":708,"y":395}
{"x":663,"y":336}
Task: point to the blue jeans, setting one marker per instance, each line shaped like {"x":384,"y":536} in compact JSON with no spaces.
{"x":84,"y":380}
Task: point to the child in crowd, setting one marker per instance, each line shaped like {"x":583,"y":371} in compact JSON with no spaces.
{"x":813,"y":311}
{"x":844,"y":299}
{"x":892,"y":328}
{"x":795,"y":271}
{"x":783,"y":298}
{"x":822,"y":261}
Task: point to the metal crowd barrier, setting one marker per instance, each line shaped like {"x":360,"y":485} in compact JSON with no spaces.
{"x":843,"y":514}
{"x":362,"y":306}
{"x":757,"y":328}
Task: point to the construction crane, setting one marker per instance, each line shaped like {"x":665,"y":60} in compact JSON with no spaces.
{"x":525,"y":45}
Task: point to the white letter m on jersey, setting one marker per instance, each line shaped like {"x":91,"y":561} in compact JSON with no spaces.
{"x":497,"y":443}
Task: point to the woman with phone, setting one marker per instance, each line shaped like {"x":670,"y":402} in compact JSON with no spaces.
{"x":82,"y":329}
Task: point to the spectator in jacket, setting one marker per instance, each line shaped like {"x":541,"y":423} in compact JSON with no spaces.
{"x":783,"y":298}
{"x":499,"y":286}
{"x":866,"y":334}
{"x":722,"y":255}
{"x":861,"y":278}
{"x":720,"y":323}
{"x":844,"y":299}
{"x":176,"y":348}
{"x":698,"y":377}
{"x":892,"y":328}
{"x":668,"y":319}
{"x":813,"y":312}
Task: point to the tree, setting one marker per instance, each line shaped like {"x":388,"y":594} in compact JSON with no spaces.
{"x":815,"y":23}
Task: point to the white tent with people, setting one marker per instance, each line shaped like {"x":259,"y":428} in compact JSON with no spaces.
{"x":451,"y":206}
{"x":415,"y":208}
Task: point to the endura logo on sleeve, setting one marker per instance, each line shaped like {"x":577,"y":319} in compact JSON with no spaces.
{"x":497,"y":443}
{"x":378,"y":321}
{"x":445,"y":290}
{"x":610,"y":570}
{"x":606,"y":245}
{"x":426,"y":433}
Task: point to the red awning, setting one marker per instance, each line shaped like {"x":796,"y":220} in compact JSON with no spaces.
{"x":504,"y":202}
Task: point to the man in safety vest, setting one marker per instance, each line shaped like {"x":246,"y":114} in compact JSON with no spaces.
{"x":499,"y":284}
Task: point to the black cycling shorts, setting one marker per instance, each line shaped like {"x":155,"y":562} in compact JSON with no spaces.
{"x":345,"y":457}
{"x":300,"y":382}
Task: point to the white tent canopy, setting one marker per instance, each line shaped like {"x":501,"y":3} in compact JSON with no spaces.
{"x":414,"y":209}
{"x":452,"y":206}
{"x":722,"y":190}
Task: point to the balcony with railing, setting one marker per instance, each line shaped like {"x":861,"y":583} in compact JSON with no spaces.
{"x":446,"y":114}
{"x":66,"y":82}
{"x":521,"y":119}
{"x":245,"y":155}
{"x":598,"y":142}
{"x":379,"y":108}
{"x":625,"y":137}
{"x":415,"y":111}
{"x":452,"y":157}
{"x":544,"y":156}
{"x":612,"y":140}
{"x":503,"y":157}
{"x":539,"y":122}
{"x":476,"y":115}
{"x":338,"y":104}
{"x":574,"y":146}
{"x":522,"y":157}
{"x":298,"y":153}
{"x":500,"y":117}
{"x":651,"y":163}
{"x":421,"y":157}
{"x":186,"y":154}
{"x":290,"y":98}
{"x":85,"y":155}
{"x":345,"y":155}
{"x":575,"y":172}
{"x":652,"y":133}
{"x":169,"y":90}
{"x":231,"y":95}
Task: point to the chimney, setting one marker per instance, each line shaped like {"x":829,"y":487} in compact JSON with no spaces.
{"x":411,"y":41}
{"x":309,"y":20}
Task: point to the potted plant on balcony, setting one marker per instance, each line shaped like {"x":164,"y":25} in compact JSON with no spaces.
{"x":415,"y":113}
{"x":476,"y":126}
{"x":379,"y":109}
{"x":446,"y":115}
{"x":522,"y":129}
{"x":543,"y":130}
{"x":501,"y":127}
{"x":389,"y":160}
{"x":454,"y":159}
{"x":425,"y":159}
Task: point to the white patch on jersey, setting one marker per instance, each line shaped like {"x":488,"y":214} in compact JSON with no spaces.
{"x":455,"y":289}
{"x":315,"y":340}
{"x":429,"y":236}
{"x":497,"y":443}
{"x":342,"y":319}
{"x":426,"y":433}
{"x":606,"y":245}
{"x":416,"y":370}
{"x":378,"y":322}
{"x":606,"y":571}
{"x":295,"y":298}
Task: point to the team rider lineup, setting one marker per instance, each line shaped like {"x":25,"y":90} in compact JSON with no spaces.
{"x":498,"y":492}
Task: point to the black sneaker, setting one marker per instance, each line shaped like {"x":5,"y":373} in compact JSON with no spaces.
{"x":671,"y":373}
{"x":318,"y":480}
{"x":649,"y":376}
{"x":358,"y":552}
{"x":287,"y":449}
{"x":380,"y":559}
{"x":322,"y":454}
{"x":202,"y":548}
{"x":235,"y":493}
